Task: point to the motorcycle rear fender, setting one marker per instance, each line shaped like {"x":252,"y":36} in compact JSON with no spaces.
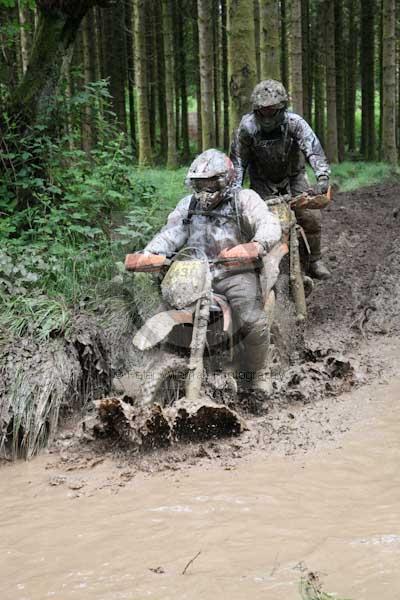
{"x":158,"y":327}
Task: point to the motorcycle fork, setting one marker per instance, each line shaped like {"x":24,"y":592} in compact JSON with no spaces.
{"x":197,"y":346}
{"x":296,"y":277}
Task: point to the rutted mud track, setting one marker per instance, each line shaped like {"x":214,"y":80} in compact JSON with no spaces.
{"x":354,"y":319}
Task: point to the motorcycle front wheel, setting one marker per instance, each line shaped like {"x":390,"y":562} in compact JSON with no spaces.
{"x":165,"y":381}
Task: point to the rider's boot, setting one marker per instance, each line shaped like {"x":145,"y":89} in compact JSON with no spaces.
{"x":316,"y":267}
{"x":318,"y":270}
{"x":263,"y":382}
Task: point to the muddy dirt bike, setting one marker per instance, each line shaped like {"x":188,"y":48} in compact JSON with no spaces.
{"x":197,"y":334}
{"x":293,"y":283}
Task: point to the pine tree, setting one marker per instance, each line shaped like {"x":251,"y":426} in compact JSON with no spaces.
{"x":241,"y":57}
{"x":331,"y":137}
{"x":257,"y":36}
{"x":340,"y":76}
{"x":306,"y":59}
{"x":389,"y":150}
{"x":169,"y":82}
{"x":270,"y":45}
{"x":319,"y":38}
{"x":130,"y":50}
{"x":204,"y":8}
{"x":225,"y":82}
{"x":162,"y":106}
{"x":296,"y":57}
{"x":144,"y":142}
{"x":367,"y":55}
{"x":284,"y":45}
{"x":183,"y":79}
{"x":351,"y":74}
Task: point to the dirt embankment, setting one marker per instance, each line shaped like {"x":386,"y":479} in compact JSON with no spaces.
{"x":350,"y":338}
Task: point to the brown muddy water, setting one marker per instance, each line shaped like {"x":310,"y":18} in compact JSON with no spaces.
{"x":259,"y":526}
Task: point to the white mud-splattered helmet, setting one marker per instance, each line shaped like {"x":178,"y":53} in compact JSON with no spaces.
{"x":269,"y":101}
{"x":211,"y":176}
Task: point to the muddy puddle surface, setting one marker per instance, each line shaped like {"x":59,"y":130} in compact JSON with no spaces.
{"x":254,"y":529}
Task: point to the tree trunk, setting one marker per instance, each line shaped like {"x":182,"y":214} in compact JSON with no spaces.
{"x":216,"y":72}
{"x":331,"y":139}
{"x":144,"y":143}
{"x":320,"y":71}
{"x":169,"y":82}
{"x":225,"y":83}
{"x":389,"y":150}
{"x":87,"y":121}
{"x":241,"y":57}
{"x":270,"y":47}
{"x":100,"y":27}
{"x":296,"y":54}
{"x":177,"y":73}
{"x":23,"y":33}
{"x":129,"y":25}
{"x":284,"y":46}
{"x":34,"y":97}
{"x":196,"y":52}
{"x":367,"y":55}
{"x":151,"y":72}
{"x":306,"y":59}
{"x":257,"y":36}
{"x":351,"y":78}
{"x":340,"y":75}
{"x":183,"y":81}
{"x":118,"y":63}
{"x":206,"y":72}
{"x":162,"y":106}
{"x":398,"y":74}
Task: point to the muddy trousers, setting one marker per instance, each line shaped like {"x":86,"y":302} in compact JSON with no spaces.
{"x":243,"y":292}
{"x":309,"y":220}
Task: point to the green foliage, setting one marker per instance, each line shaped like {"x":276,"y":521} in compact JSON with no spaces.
{"x":355,"y":175}
{"x":64,"y":220}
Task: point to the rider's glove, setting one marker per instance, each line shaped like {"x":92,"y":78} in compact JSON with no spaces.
{"x":322,"y":185}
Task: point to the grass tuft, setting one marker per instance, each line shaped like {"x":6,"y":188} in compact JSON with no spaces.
{"x":351,"y":176}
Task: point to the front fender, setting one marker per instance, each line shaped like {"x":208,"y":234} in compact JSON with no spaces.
{"x":157,"y":328}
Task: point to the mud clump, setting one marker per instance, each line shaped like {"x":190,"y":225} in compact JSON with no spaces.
{"x":119,"y":418}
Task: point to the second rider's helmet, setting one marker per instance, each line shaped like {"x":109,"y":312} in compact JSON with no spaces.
{"x":269,"y":102}
{"x":211,"y":176}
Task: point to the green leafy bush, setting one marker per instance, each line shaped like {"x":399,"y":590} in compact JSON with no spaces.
{"x":67,"y":217}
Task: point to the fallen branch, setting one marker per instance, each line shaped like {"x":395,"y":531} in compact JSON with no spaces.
{"x":190,"y":562}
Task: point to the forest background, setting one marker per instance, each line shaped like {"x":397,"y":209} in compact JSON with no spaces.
{"x":102,"y":106}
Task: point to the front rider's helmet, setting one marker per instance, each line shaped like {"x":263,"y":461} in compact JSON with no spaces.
{"x":211,"y":176}
{"x":269,"y":102}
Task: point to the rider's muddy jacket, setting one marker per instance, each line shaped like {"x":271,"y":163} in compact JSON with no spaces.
{"x":242,"y":218}
{"x":273,"y":158}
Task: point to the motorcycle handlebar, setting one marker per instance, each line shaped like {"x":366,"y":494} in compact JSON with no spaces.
{"x":305,"y":200}
{"x":151,"y":263}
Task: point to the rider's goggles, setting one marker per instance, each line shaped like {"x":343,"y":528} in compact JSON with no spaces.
{"x":268,"y":111}
{"x":213,"y":184}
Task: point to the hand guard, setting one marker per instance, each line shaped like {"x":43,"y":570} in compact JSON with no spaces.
{"x":249,"y":251}
{"x":144,"y":261}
